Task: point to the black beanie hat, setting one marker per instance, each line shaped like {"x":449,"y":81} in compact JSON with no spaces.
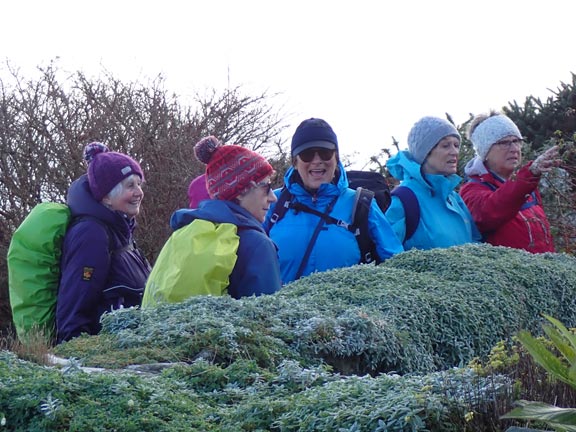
{"x":313,"y":132}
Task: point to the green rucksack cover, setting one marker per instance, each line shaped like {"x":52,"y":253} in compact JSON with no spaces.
{"x":197,"y":259}
{"x":34,"y":268}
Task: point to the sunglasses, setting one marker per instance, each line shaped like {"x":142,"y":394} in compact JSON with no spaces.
{"x":267,"y":186}
{"x":308,"y":154}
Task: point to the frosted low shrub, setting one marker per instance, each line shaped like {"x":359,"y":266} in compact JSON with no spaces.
{"x":362,"y":348}
{"x":242,"y":396}
{"x":419,"y":311}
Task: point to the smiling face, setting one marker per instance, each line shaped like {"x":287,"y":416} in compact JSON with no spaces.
{"x":505,"y":156}
{"x":316,"y":166}
{"x":257,"y":200}
{"x":443,"y":158}
{"x":126,"y":196}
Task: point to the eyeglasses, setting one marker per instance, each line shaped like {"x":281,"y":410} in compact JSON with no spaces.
{"x":507,"y":143}
{"x":267,"y":186}
{"x":308,"y":154}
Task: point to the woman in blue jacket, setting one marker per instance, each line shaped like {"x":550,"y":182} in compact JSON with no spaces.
{"x":238,"y":182}
{"x":317,"y":180}
{"x":101,"y":268}
{"x":429,"y":169}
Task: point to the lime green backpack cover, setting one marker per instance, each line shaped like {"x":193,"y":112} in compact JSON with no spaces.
{"x":34,"y":268}
{"x":197,"y":259}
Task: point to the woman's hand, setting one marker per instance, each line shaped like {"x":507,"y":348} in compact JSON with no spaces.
{"x":546,"y":161}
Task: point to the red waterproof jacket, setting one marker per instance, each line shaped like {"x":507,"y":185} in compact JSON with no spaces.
{"x":509,"y":213}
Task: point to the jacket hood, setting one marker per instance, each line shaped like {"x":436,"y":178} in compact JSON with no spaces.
{"x":475,"y":166}
{"x":217,"y":211}
{"x":82,"y":203}
{"x":404,"y":168}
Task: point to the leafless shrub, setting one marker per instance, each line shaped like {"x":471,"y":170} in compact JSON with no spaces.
{"x":45,"y":123}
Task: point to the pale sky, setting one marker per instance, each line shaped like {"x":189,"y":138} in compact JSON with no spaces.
{"x":369,"y":68}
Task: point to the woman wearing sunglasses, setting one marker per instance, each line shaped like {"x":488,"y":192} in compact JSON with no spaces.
{"x":428,"y":171}
{"x":238,"y":183}
{"x":504,"y":200}
{"x":317,"y":181}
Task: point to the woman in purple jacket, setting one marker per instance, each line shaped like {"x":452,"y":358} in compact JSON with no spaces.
{"x":101,"y":268}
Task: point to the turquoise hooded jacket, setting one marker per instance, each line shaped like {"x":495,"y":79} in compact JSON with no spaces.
{"x":444,"y":218}
{"x":335,"y":246}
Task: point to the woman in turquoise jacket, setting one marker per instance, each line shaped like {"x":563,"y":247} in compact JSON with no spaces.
{"x":317,"y":180}
{"x":428,"y":169}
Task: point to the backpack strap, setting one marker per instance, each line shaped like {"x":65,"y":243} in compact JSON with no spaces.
{"x":360,"y":212}
{"x":285,"y":202}
{"x":411,"y":209}
{"x":485,"y":183}
{"x":112,"y":251}
{"x":527,"y":204}
{"x":325,"y":216}
{"x":280,"y":208}
{"x":313,"y":238}
{"x":358,"y":227}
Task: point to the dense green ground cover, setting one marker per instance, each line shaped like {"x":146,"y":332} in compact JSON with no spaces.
{"x":364,"y":348}
{"x":240,"y":397}
{"x":420,"y":311}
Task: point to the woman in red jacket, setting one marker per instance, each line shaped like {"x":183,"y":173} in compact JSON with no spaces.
{"x":505,"y":202}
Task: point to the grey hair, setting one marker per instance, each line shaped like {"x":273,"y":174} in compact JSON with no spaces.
{"x":116,"y":190}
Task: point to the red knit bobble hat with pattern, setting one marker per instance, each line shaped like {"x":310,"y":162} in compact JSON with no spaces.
{"x":230,"y":168}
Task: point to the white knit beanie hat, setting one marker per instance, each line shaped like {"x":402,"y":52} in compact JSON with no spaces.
{"x":490,"y":131}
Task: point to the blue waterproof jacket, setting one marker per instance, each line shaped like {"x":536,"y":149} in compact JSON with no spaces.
{"x":335,"y":246}
{"x":444,"y":218}
{"x":256,"y":270}
{"x":101,"y":268}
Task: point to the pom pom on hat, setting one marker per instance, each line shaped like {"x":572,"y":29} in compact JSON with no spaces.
{"x":230,"y":169}
{"x":107,"y":170}
{"x":92,"y":149}
{"x":205,"y":148}
{"x":490,"y":131}
{"x":313,"y":132}
{"x":426,"y":133}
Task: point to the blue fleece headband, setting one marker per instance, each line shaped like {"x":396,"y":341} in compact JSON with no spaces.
{"x":490,"y":131}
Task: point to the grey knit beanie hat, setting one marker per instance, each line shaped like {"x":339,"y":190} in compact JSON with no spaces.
{"x":426,"y":133}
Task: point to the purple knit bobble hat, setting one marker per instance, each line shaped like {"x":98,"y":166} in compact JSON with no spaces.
{"x":108,"y":169}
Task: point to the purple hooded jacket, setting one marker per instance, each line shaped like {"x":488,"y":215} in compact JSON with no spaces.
{"x":101,"y":268}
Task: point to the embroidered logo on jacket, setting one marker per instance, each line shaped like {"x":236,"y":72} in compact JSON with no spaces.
{"x":87,"y":273}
